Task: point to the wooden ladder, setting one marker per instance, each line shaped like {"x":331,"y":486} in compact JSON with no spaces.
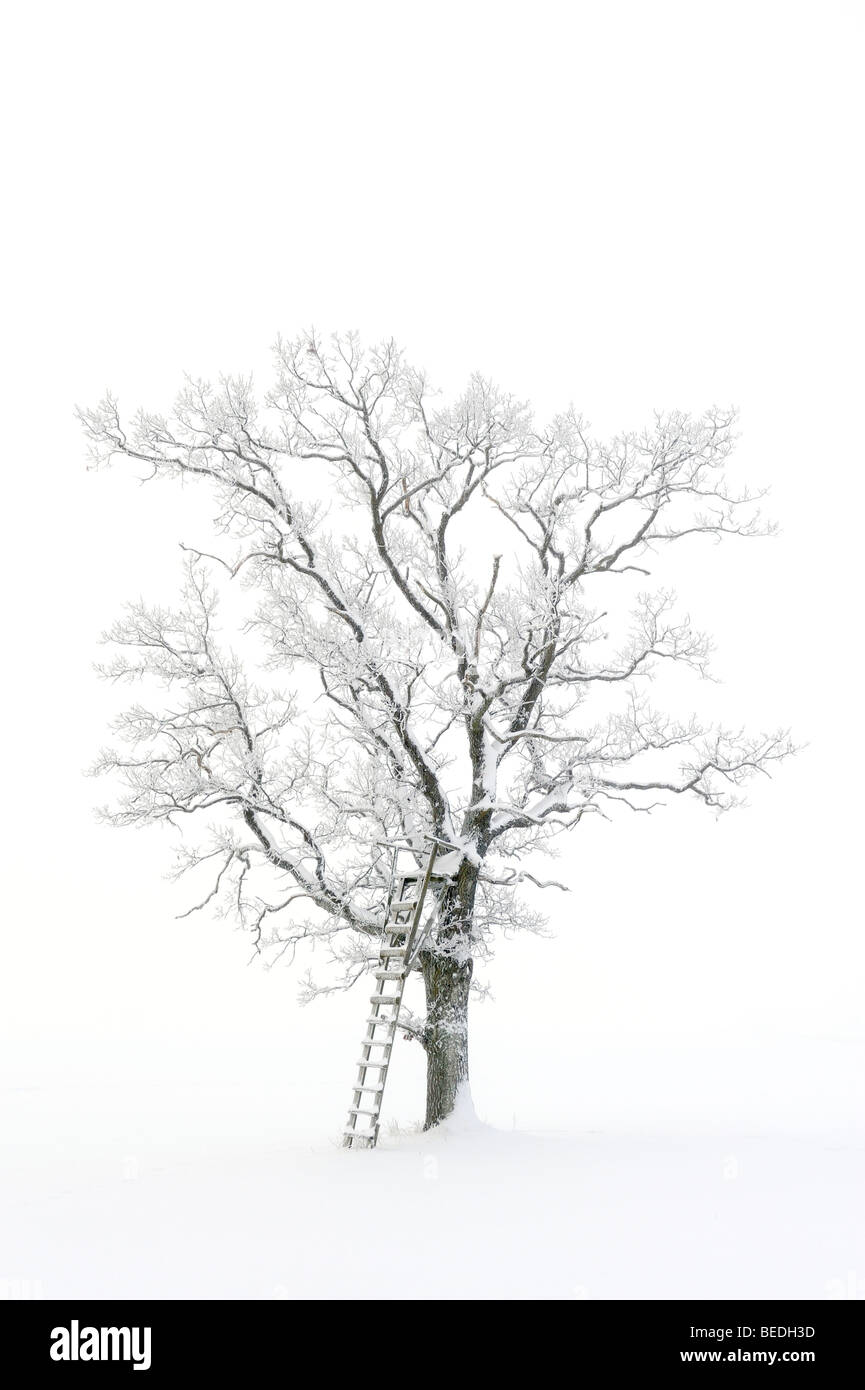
{"x":397,"y":954}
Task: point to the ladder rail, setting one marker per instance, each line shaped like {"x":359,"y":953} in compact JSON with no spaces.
{"x":416,"y":916}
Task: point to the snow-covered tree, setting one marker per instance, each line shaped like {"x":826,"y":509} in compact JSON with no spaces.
{"x":430,"y":578}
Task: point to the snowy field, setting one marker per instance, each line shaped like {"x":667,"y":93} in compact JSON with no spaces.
{"x":232,"y":1190}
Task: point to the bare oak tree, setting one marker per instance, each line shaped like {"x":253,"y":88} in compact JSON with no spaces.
{"x":428,"y":575}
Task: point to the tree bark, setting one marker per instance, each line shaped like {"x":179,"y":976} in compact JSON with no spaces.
{"x":446,"y":1033}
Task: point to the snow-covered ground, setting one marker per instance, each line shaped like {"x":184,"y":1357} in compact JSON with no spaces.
{"x":239,"y":1189}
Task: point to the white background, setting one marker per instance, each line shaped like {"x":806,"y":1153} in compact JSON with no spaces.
{"x":628,"y":206}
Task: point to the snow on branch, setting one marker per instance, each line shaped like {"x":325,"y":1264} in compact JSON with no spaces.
{"x":429,"y":578}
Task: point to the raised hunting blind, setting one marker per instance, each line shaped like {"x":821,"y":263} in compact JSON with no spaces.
{"x":404,"y":933}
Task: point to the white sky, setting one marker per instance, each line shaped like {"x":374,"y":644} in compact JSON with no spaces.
{"x":625,"y":205}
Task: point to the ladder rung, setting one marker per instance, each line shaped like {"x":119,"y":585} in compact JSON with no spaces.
{"x":377,"y":1018}
{"x":368,"y":1134}
{"x":384,"y":999}
{"x":389,"y":975}
{"x":365,"y":1062}
{"x":356,"y":1110}
{"x":392,"y":951}
{"x":376,"y":1090}
{"x":408,"y":906}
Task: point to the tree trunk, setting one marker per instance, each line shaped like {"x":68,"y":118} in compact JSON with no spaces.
{"x":446,"y":1033}
{"x":447,"y":973}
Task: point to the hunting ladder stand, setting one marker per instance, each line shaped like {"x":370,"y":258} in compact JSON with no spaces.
{"x":401,"y":942}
